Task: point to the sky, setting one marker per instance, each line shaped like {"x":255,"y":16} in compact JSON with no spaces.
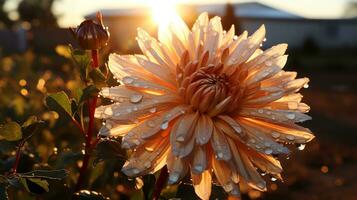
{"x":71,"y":12}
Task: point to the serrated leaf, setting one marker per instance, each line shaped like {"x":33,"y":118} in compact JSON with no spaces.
{"x":35,"y":185}
{"x":46,"y":174}
{"x":88,"y":195}
{"x":3,"y":192}
{"x":88,"y":93}
{"x":10,"y":131}
{"x":60,"y":103}
{"x":108,"y":149}
{"x":97,"y":77}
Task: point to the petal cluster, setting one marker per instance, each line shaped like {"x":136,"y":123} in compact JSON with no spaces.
{"x":205,"y":102}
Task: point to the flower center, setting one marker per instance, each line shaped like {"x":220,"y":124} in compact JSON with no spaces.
{"x":206,"y":89}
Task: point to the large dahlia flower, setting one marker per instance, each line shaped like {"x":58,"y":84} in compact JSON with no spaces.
{"x":207,"y":103}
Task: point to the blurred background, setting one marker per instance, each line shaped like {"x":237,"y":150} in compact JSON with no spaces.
{"x":322,"y":38}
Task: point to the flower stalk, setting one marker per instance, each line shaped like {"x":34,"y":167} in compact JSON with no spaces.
{"x":89,"y":145}
{"x":160,"y":183}
{"x":17,"y":157}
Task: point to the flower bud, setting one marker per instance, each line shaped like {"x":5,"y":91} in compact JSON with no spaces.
{"x":91,"y":34}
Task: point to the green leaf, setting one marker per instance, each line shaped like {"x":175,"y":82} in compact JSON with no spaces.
{"x":46,"y":174}
{"x":31,"y":127}
{"x":60,"y":103}
{"x":3,"y":192}
{"x":98,"y":77}
{"x":66,"y":159}
{"x":82,"y":60}
{"x":88,"y":195}
{"x":108,"y":149}
{"x":88,"y":93}
{"x":35,"y":185}
{"x":10,"y":131}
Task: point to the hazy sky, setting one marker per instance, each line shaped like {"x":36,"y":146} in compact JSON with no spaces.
{"x":72,"y":11}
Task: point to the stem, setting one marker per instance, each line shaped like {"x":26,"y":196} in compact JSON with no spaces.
{"x":17,"y":159}
{"x":88,"y":137}
{"x":160,"y":183}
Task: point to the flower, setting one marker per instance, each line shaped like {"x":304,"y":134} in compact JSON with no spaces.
{"x":205,"y":102}
{"x":91,"y":34}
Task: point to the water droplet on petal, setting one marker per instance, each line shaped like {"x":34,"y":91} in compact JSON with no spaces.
{"x":301,"y":147}
{"x":136,"y":98}
{"x":290,"y":116}
{"x":290,"y":137}
{"x":153,"y":110}
{"x":128,"y":80}
{"x":147,"y":164}
{"x":306,"y":85}
{"x":275,"y":134}
{"x":268,"y":151}
{"x":151,"y":123}
{"x":260,"y":111}
{"x":273,"y":179}
{"x":164,"y":125}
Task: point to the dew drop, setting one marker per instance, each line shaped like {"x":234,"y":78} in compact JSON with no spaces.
{"x":275,"y":134}
{"x":260,"y":111}
{"x":290,"y":137}
{"x":128,"y":80}
{"x":273,"y":179}
{"x":136,"y":98}
{"x":306,"y":85}
{"x":268,"y":151}
{"x":153,"y":110}
{"x":164,"y":125}
{"x":151,"y":124}
{"x":290,"y":116}
{"x":301,"y":147}
{"x":147,"y":164}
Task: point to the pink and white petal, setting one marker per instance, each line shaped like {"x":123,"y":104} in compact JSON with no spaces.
{"x":220,"y":145}
{"x":267,"y":163}
{"x":258,"y":140}
{"x":138,"y":107}
{"x":246,"y":168}
{"x":177,"y":167}
{"x":228,"y":38}
{"x":185,"y":126}
{"x":213,"y":37}
{"x":223,"y":172}
{"x":198,"y":35}
{"x":122,"y":93}
{"x":246,"y":48}
{"x":233,"y":123}
{"x":112,"y":128}
{"x":182,"y":149}
{"x":273,"y":115}
{"x":285,"y":132}
{"x":143,"y":160}
{"x":153,"y":50}
{"x":273,"y":52}
{"x":202,"y":184}
{"x":204,"y":130}
{"x":200,"y":160}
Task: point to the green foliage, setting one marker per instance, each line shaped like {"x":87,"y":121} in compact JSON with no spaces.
{"x":35,"y":185}
{"x":11,"y":131}
{"x":3,"y":192}
{"x":46,"y":174}
{"x":60,"y":103}
{"x":98,"y":77}
{"x":107,"y":150}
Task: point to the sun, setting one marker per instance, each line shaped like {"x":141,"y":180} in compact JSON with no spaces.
{"x":163,"y":12}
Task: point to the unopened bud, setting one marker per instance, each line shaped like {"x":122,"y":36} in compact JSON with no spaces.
{"x":91,"y":34}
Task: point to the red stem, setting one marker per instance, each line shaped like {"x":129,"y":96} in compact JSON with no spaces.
{"x":160,"y":183}
{"x":17,"y":159}
{"x":89,"y":144}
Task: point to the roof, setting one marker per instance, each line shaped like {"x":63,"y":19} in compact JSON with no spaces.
{"x":251,"y":9}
